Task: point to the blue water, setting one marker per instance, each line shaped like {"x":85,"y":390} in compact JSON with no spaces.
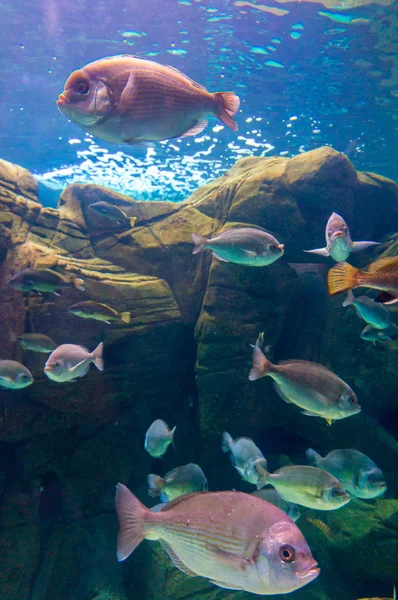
{"x":306,"y":78}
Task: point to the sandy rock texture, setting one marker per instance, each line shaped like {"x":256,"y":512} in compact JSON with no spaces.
{"x":185,"y":357}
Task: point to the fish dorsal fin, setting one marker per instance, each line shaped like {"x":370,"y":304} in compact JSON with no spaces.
{"x":180,"y":499}
{"x":176,"y":560}
{"x":383,"y":263}
{"x":194,"y":83}
{"x":171,"y":474}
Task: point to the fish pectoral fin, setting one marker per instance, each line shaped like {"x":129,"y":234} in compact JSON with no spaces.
{"x":309,"y":414}
{"x":128,"y":93}
{"x":80,"y":364}
{"x":218,"y":257}
{"x":319,"y":251}
{"x":196,"y":128}
{"x":227,"y":559}
{"x":358,"y":246}
{"x":225,"y":585}
{"x":250,"y":253}
{"x":176,"y":560}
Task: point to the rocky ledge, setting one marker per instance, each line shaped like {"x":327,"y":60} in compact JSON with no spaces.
{"x":185,"y":357}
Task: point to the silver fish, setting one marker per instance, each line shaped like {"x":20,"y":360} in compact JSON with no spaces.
{"x":158,"y":438}
{"x":243,"y":245}
{"x":374,"y":313}
{"x":271,"y":495}
{"x":235,"y":540}
{"x":308,"y":486}
{"x":244,"y":456}
{"x":13,"y":375}
{"x":308,"y":385}
{"x":370,"y":334}
{"x":68,"y":362}
{"x":358,"y":474}
{"x":38,"y":342}
{"x":181,"y":480}
{"x":339,"y":244}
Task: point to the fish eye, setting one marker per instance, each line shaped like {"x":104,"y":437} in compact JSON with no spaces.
{"x":82,"y":87}
{"x":287,"y":553}
{"x":56,"y":364}
{"x":371,"y":478}
{"x":353,"y":400}
{"x":274,"y":247}
{"x":330,"y":232}
{"x":336,"y":493}
{"x":25,"y":377}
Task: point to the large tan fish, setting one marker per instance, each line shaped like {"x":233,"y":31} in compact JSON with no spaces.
{"x":312,"y":387}
{"x":128,"y":100}
{"x":381,"y":275}
{"x":235,"y":540}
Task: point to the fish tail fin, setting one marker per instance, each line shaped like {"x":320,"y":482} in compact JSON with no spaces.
{"x":131,"y":514}
{"x":199,"y":241}
{"x":227,"y":105}
{"x":312,"y":456}
{"x":79,"y":284}
{"x":156,"y":484}
{"x":171,"y":436}
{"x":261,"y":365}
{"x":132,"y":221}
{"x":125,"y":317}
{"x":350,"y":299}
{"x":97,"y":355}
{"x":226,"y":442}
{"x":263,"y":475}
{"x":343,"y":277}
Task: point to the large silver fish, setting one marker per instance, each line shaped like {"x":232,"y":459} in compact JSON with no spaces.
{"x":244,"y":456}
{"x":235,"y":540}
{"x":308,"y":486}
{"x":181,"y":480}
{"x":358,"y":474}
{"x":241,"y":245}
{"x":69,"y":361}
{"x":308,"y":385}
{"x":128,"y":100}
{"x":339,"y":244}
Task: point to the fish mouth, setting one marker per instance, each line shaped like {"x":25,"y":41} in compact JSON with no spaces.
{"x":281,"y":247}
{"x":62,"y":99}
{"x":337,"y":234}
{"x":47,"y":369}
{"x":383,"y":485}
{"x":311,"y":572}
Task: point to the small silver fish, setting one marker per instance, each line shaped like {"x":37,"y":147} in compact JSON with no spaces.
{"x":38,"y":342}
{"x":358,"y":474}
{"x":308,"y":486}
{"x":68,"y":362}
{"x":181,"y":480}
{"x":158,"y":438}
{"x":244,"y":456}
{"x":235,"y":540}
{"x":308,"y":385}
{"x":374,"y":313}
{"x":271,"y":495}
{"x":370,"y":334}
{"x":99,"y":312}
{"x":13,"y":375}
{"x":338,"y":240}
{"x":244,"y":245}
{"x":115,"y":215}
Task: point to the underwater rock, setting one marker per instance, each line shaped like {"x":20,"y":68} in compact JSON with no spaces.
{"x":184,"y":357}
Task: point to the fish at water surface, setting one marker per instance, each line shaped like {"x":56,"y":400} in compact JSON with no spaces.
{"x":235,"y":540}
{"x":128,"y":100}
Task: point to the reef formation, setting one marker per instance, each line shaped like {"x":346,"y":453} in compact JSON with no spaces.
{"x":185,"y":357}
